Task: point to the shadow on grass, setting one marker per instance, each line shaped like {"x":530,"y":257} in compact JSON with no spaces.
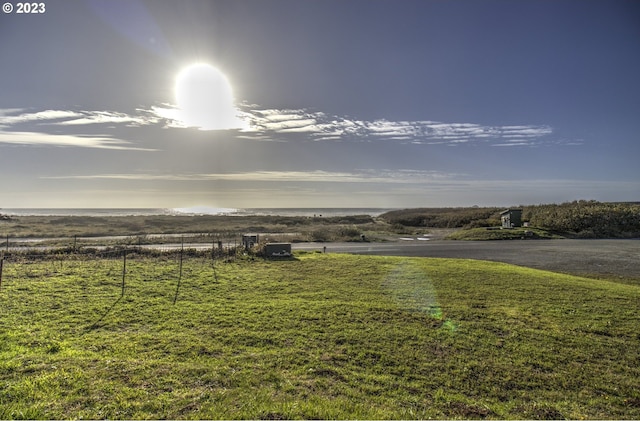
{"x":291,"y":258}
{"x":96,"y":324}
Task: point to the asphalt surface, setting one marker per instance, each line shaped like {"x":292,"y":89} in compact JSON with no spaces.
{"x":592,"y":257}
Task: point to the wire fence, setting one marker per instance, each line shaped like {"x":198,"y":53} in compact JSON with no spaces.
{"x":27,"y":264}
{"x":163,"y":241}
{"x":90,"y":285}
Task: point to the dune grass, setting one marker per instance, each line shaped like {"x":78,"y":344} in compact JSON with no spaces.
{"x":318,"y":336}
{"x":197,"y":228}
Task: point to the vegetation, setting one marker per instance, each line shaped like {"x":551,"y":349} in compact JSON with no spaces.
{"x":317,"y":336}
{"x":443,"y":217}
{"x":500,"y":234}
{"x":196,"y":228}
{"x":578,"y":219}
{"x":587,"y":219}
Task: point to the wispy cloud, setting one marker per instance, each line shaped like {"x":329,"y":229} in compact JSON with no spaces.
{"x":291,"y":124}
{"x":321,"y":126}
{"x":383,"y":176}
{"x":109,"y":117}
{"x":44,"y":139}
{"x":14,"y":121}
{"x":17,"y":116}
{"x":13,"y":116}
{"x":281,"y":124}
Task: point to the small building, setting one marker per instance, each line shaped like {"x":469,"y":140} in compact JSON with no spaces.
{"x":511,"y":218}
{"x":250,"y":240}
{"x":277,"y":250}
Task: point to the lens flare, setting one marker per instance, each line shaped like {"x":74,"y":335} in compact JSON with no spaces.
{"x":412,"y":289}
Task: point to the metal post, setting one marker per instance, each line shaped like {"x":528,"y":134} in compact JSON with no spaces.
{"x":181,"y":254}
{"x":1,"y":264}
{"x":124,"y":270}
{"x":175,"y":298}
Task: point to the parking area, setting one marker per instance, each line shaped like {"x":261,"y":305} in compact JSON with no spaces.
{"x":581,"y":257}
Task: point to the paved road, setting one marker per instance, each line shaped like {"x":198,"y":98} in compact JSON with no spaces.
{"x":606,"y":257}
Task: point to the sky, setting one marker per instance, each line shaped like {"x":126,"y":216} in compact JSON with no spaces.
{"x":318,"y":103}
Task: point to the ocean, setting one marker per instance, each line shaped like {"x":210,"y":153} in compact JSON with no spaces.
{"x":326,"y":212}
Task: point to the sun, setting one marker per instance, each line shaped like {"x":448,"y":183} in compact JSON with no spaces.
{"x":205,"y":99}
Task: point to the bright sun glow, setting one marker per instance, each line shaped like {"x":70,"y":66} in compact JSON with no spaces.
{"x":205,"y":99}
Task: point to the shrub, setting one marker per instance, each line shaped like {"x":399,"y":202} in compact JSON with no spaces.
{"x":349,"y":232}
{"x":442,"y":217}
{"x":321,"y":235}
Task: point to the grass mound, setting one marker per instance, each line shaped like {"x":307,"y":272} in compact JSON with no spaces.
{"x":321,"y":336}
{"x":481,"y":234}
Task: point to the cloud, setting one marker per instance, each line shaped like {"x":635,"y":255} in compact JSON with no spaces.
{"x":13,"y":116}
{"x":298,"y":124}
{"x":108,"y":117}
{"x":321,"y":126}
{"x":14,"y":121}
{"x":44,"y":139}
{"x":17,"y":116}
{"x":406,"y":176}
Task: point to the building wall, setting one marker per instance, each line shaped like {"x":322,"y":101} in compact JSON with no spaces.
{"x":512,"y":218}
{"x":277,"y":248}
{"x":249,"y":240}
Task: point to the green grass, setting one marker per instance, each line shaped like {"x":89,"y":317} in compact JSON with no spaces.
{"x":503,"y":234}
{"x":320,"y":336}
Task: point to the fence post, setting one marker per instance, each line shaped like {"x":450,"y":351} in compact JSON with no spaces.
{"x":175,"y":298}
{"x":124,"y":270}
{"x":1,"y":264}
{"x":181,"y":254}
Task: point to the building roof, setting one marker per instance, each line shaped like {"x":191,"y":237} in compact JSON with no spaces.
{"x":510,"y":210}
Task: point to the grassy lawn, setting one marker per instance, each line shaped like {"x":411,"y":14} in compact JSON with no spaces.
{"x":321,"y":336}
